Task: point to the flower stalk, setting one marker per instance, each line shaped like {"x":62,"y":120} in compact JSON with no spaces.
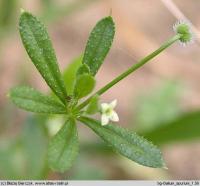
{"x":132,"y":69}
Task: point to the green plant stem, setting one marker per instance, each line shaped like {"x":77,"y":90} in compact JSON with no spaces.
{"x":132,"y":69}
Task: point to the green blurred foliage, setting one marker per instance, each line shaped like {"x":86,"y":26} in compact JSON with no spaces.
{"x":85,"y":170}
{"x":159,"y":117}
{"x":184,"y":128}
{"x":159,"y":105}
{"x":52,"y":11}
{"x":24,"y":157}
{"x":8,"y":9}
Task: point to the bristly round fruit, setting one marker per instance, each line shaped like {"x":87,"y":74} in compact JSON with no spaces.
{"x":184,"y":29}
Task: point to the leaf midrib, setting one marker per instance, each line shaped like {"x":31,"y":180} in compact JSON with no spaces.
{"x":126,"y":141}
{"x":70,"y":136}
{"x":45,"y":59}
{"x":97,"y":47}
{"x":38,"y":101}
{"x":144,"y":153}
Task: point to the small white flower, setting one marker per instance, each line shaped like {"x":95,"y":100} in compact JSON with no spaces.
{"x":108,"y":113}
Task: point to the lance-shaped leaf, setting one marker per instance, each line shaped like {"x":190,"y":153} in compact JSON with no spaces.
{"x":39,"y":48}
{"x":84,"y":85}
{"x":99,"y":43}
{"x":127,"y":143}
{"x":63,"y":147}
{"x":31,"y":100}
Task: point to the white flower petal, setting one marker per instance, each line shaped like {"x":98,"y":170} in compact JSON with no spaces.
{"x":114,"y":116}
{"x":104,"y":107}
{"x":104,"y":119}
{"x":113,"y":104}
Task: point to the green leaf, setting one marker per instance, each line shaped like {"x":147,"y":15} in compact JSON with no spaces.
{"x":39,"y":48}
{"x":93,"y":106}
{"x":84,"y":85}
{"x":31,"y":100}
{"x":83,"y":69}
{"x":127,"y":143}
{"x":99,"y":43}
{"x":63,"y":147}
{"x":184,"y":128}
{"x":70,"y":74}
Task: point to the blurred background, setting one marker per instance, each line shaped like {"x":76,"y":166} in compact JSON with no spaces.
{"x":160,"y":101}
